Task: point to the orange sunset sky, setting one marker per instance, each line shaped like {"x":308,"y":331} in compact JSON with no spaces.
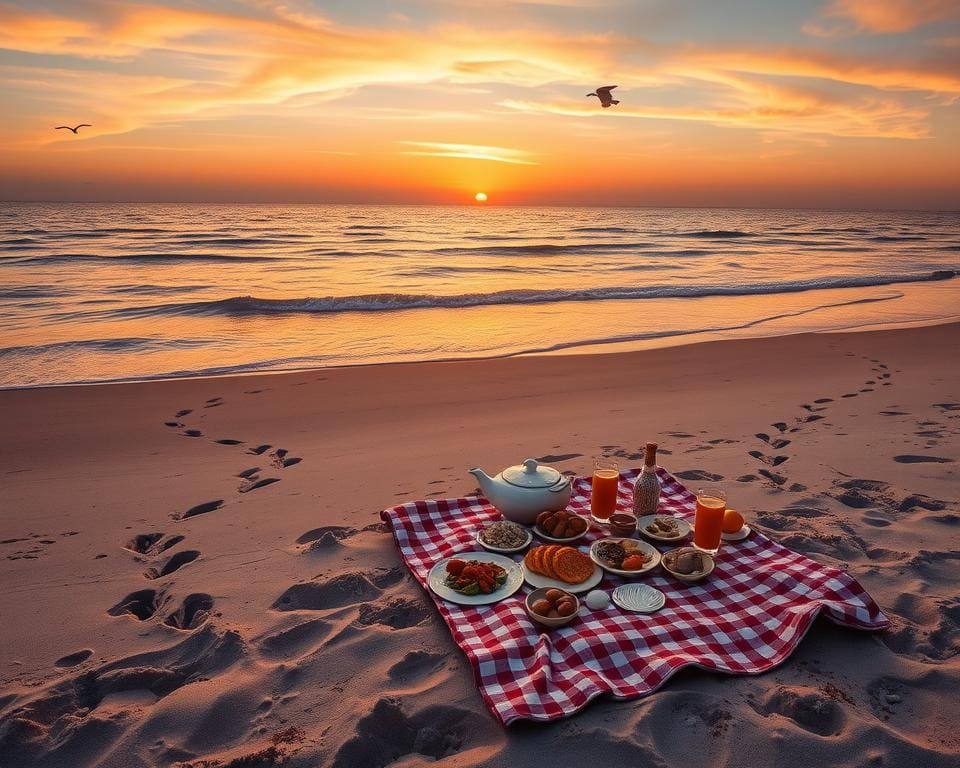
{"x":833,"y":103}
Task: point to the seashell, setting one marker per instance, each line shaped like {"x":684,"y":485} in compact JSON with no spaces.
{"x":641,"y":598}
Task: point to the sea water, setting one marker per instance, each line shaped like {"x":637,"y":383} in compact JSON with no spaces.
{"x":105,"y":292}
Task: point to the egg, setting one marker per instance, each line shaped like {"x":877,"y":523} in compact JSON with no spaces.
{"x":598,"y":600}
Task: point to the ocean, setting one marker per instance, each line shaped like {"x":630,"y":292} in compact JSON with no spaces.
{"x":116,"y":292}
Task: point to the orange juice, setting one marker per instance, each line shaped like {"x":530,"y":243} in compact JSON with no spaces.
{"x":709,"y":522}
{"x":603,"y":496}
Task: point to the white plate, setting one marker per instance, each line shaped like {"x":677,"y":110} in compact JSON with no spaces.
{"x":505,"y":550}
{"x":738,"y":536}
{"x":438,"y":575}
{"x":640,"y":598}
{"x":642,"y":545}
{"x":554,"y":540}
{"x":536,"y":580}
{"x":682,"y":525}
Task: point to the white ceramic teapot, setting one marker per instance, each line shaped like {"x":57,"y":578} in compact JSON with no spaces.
{"x":524,"y":491}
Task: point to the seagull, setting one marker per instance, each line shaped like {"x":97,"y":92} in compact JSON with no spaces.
{"x":606,"y":99}
{"x":82,"y":125}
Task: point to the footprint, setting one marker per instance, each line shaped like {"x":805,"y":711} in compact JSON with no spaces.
{"x":849,"y":394}
{"x":414,"y":665}
{"x":823,"y":400}
{"x":337,"y":592}
{"x":780,"y":426}
{"x":386,"y":735}
{"x":141,"y":604}
{"x":907,"y":458}
{"x":71,"y":660}
{"x":213,"y":402}
{"x":248,"y":473}
{"x":772,"y":461}
{"x":172,"y":424}
{"x":181,"y":414}
{"x":193,"y":611}
{"x":229,"y":442}
{"x":948,"y":406}
{"x":773,"y":477}
{"x":259,"y":449}
{"x":698,"y":474}
{"x":142,"y":542}
{"x":175,"y":563}
{"x":398,"y":613}
{"x":255,"y":484}
{"x":778,"y":444}
{"x":202,"y":509}
{"x":281,"y":461}
{"x":152,"y":543}
{"x":327,"y":536}
{"x":193,"y":433}
{"x":809,"y":709}
{"x":294,"y":641}
{"x":812,"y":418}
{"x":552,"y":458}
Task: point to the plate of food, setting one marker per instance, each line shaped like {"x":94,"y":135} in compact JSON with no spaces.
{"x":475,"y":578}
{"x":504,"y":536}
{"x":624,"y":557}
{"x":560,"y":567}
{"x":561,"y":527}
{"x":663,"y":527}
{"x":688,"y":564}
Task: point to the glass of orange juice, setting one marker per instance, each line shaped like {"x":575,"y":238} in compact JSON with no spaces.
{"x":603,"y":493}
{"x":711,"y":504}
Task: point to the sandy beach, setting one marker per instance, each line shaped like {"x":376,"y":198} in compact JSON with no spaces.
{"x":155,"y":537}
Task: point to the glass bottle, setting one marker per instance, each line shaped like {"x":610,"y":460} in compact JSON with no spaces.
{"x":646,"y":490}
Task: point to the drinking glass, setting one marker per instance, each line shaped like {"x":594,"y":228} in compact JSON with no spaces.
{"x":711,"y":504}
{"x":606,"y":482}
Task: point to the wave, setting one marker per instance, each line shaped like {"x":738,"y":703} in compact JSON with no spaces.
{"x":154,"y":258}
{"x":381,"y":302}
{"x":896,"y":238}
{"x":603,"y":229}
{"x":717,"y":233}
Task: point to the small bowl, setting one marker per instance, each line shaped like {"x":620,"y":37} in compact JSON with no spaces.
{"x":624,"y":526}
{"x":689,"y":578}
{"x":545,"y":620}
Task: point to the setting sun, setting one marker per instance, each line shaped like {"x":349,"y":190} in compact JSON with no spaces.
{"x":480,"y":197}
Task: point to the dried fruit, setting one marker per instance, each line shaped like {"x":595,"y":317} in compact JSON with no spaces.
{"x":542,"y":606}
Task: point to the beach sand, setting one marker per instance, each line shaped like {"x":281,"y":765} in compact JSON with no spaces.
{"x":157,"y":537}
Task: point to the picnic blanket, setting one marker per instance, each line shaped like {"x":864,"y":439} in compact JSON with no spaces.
{"x":745,"y":618}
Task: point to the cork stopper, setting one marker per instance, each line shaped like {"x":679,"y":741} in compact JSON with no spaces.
{"x":650,"y":455}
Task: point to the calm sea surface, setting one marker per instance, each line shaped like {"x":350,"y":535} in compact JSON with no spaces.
{"x":100,"y":292}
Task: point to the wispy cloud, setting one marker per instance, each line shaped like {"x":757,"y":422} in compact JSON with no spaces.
{"x":842,"y":18}
{"x":468,"y":152}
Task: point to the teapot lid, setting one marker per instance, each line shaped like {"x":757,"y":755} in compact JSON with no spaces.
{"x":531,"y":474}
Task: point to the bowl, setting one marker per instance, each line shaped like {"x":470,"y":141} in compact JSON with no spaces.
{"x":538,"y":594}
{"x":623,"y":523}
{"x":688,"y":578}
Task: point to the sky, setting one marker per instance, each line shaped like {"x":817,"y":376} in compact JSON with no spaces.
{"x":819,"y":103}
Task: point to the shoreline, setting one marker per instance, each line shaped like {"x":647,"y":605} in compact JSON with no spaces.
{"x":194,"y":566}
{"x":571,"y":349}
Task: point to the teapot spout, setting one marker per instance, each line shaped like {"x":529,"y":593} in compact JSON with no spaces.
{"x":483,"y":479}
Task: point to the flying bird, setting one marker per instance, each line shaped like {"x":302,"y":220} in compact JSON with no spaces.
{"x":82,"y":125}
{"x":606,"y":98}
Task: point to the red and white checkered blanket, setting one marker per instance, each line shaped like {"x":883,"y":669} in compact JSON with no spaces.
{"x":746,"y":618}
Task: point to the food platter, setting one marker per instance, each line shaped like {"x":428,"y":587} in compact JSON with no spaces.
{"x":504,"y":550}
{"x":555,"y":540}
{"x":538,"y":581}
{"x":438,"y":575}
{"x":641,"y":546}
{"x":683,"y":528}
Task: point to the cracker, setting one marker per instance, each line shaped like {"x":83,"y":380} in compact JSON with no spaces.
{"x":572,"y":566}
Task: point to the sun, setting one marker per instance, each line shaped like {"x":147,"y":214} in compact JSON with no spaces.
{"x":480,"y":197}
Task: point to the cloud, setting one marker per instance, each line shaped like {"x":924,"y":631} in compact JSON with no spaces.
{"x":468,"y":152}
{"x":842,"y":18}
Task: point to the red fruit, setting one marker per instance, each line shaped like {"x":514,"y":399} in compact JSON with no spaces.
{"x":633,"y":563}
{"x":455,"y":567}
